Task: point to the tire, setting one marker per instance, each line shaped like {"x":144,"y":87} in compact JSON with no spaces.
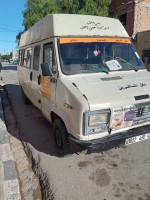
{"x":25,"y":98}
{"x":61,"y":138}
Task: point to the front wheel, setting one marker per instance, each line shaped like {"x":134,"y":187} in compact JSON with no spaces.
{"x":61,"y":137}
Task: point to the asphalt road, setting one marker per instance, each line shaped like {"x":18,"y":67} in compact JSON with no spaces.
{"x":122,"y":173}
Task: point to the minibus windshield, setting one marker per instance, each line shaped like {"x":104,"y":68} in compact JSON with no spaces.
{"x":98,"y":55}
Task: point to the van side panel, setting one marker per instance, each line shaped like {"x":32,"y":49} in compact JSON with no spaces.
{"x":73,"y":104}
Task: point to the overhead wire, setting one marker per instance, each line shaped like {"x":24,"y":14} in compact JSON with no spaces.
{"x":10,"y":26}
{"x":6,"y":41}
{"x":4,"y":28}
{"x":10,"y":30}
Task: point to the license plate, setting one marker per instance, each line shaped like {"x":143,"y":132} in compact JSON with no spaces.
{"x":138,"y":138}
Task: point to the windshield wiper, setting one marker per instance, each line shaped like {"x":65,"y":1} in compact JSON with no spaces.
{"x":103,"y":70}
{"x":118,"y":58}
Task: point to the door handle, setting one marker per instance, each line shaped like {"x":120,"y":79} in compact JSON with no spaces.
{"x":39,"y":79}
{"x":31,"y":74}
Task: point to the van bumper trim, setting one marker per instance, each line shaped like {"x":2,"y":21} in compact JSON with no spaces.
{"x":107,"y":142}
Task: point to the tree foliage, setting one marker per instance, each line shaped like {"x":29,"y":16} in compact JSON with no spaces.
{"x":87,"y":7}
{"x":37,"y":9}
{"x":18,"y":36}
{"x":6,"y":57}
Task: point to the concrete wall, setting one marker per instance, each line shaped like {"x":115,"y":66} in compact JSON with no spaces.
{"x":138,"y":21}
{"x":138,"y":14}
{"x":118,"y":8}
{"x":116,"y":3}
{"x":143,"y":43}
{"x":142,"y":16}
{"x":15,"y":55}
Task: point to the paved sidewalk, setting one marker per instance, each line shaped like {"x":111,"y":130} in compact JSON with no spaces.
{"x":9,"y":186}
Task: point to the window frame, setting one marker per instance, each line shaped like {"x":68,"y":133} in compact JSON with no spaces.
{"x":37,"y":61}
{"x":50,"y":45}
{"x":21,"y":57}
{"x":29,"y":58}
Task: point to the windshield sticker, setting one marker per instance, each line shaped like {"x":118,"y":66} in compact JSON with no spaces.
{"x":87,"y":40}
{"x":132,"y":86}
{"x":92,"y":25}
{"x":113,"y":65}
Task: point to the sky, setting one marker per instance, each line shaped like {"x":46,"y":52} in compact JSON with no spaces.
{"x":11,"y":20}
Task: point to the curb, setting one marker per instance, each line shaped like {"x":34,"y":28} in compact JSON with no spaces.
{"x":9,"y":185}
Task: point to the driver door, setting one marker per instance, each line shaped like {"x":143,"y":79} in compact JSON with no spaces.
{"x":48,"y":84}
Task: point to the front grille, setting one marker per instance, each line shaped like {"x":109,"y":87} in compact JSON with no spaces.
{"x":142,"y":113}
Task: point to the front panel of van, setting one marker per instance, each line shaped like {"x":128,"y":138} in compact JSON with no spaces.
{"x":105,"y":86}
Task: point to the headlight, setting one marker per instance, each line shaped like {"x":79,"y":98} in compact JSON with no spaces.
{"x":96,"y":121}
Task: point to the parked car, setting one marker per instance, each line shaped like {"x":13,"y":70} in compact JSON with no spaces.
{"x":15,"y":62}
{"x":10,"y":60}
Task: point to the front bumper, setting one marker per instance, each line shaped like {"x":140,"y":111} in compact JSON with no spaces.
{"x":108,"y":142}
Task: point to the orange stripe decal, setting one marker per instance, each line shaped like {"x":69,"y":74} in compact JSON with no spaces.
{"x":84,"y":40}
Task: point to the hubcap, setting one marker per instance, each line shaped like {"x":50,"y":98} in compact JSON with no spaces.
{"x":59,"y":142}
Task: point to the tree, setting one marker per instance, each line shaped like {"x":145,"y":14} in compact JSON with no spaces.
{"x":87,"y":7}
{"x":18,"y":36}
{"x":69,"y":6}
{"x":36,"y":10}
{"x":95,"y":7}
{"x":6,"y":57}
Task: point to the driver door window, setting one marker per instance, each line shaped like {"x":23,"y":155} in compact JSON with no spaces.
{"x":48,"y":56}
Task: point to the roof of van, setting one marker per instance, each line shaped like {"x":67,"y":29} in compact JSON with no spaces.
{"x":57,"y":25}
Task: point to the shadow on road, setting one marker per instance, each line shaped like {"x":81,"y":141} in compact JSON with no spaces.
{"x":33,"y":130}
{"x":1,"y":108}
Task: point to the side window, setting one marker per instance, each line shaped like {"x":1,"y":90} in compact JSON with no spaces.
{"x":36,"y":58}
{"x":49,"y":57}
{"x":29,"y":57}
{"x":21,"y":57}
{"x":25,"y":58}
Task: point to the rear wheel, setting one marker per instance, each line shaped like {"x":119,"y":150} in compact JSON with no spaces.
{"x":25,"y":98}
{"x":61,"y":137}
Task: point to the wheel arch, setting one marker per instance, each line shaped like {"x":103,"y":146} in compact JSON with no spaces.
{"x":55,"y":114}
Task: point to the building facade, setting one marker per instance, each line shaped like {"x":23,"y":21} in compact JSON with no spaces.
{"x":15,"y":55}
{"x":134,"y":15}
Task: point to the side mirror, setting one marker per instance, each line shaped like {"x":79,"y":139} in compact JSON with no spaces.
{"x":146,"y":61}
{"x":46,"y":71}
